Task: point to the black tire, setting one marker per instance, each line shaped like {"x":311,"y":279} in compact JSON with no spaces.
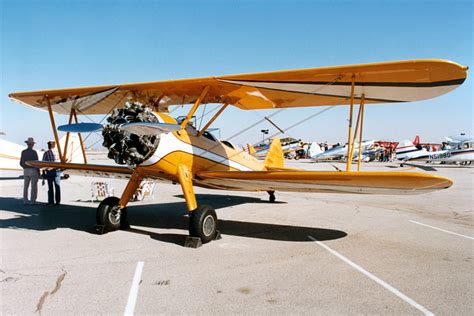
{"x":110,"y":215}
{"x":203,"y":223}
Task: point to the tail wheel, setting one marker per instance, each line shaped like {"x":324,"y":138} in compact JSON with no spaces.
{"x":110,"y":215}
{"x":271,"y":197}
{"x":203,"y":223}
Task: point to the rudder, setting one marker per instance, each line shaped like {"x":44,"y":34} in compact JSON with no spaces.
{"x":274,"y":158}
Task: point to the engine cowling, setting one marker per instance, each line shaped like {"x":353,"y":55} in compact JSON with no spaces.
{"x":126,"y":148}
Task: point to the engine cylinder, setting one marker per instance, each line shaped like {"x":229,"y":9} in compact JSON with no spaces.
{"x":124,"y":147}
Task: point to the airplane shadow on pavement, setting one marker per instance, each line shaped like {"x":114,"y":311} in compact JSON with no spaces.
{"x":161,"y":216}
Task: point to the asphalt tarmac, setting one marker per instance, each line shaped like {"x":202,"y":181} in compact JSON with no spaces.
{"x":305,"y":254}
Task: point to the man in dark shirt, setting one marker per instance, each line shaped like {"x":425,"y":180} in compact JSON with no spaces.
{"x":30,"y":174}
{"x":53,"y":176}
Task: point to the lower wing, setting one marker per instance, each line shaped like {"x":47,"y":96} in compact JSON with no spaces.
{"x":102,"y":171}
{"x":326,"y":181}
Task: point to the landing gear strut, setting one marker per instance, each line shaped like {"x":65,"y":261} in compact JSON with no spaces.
{"x":110,"y":216}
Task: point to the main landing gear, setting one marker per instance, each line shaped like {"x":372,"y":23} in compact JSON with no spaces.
{"x":112,"y":213}
{"x":202,"y":221}
{"x":202,"y":227}
{"x":110,"y":216}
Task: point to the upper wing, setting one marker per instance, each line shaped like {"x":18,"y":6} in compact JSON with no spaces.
{"x":400,"y":81}
{"x":326,"y":181}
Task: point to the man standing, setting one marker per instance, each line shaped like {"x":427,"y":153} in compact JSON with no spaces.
{"x":30,"y":174}
{"x":53,"y":176}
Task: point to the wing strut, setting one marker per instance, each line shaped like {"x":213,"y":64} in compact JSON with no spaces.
{"x":212,"y":120}
{"x":53,"y":125}
{"x":195,"y":106}
{"x":67,"y":138}
{"x":352,"y":138}
{"x":361,"y":108}
{"x":349,"y":161}
{"x":80,"y":137}
{"x":351,"y":153}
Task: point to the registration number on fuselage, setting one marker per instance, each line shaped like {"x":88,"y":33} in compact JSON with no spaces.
{"x":440,"y":156}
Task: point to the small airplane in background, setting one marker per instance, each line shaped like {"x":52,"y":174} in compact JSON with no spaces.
{"x":457,"y":140}
{"x":140,"y":134}
{"x":289,"y":145}
{"x":339,"y":152}
{"x":460,"y":150}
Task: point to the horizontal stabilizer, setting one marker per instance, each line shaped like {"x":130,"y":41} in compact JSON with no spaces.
{"x":80,"y":128}
{"x":149,"y":128}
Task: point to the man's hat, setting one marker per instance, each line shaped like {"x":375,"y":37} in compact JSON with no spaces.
{"x":51,"y":142}
{"x":30,"y":140}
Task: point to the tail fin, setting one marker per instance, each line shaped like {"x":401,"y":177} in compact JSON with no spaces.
{"x":74,"y":150}
{"x":405,"y":145}
{"x":416,"y":141}
{"x":251,"y":150}
{"x":274,"y":158}
{"x":314,"y":149}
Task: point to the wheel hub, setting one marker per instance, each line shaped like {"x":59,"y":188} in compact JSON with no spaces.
{"x":208,"y":225}
{"x":114,"y":215}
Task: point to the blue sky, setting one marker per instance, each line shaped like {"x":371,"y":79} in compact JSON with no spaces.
{"x":60,"y":44}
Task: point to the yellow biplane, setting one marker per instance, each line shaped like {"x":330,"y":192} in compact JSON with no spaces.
{"x":141,"y":135}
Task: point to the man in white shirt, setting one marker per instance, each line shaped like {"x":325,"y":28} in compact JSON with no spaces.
{"x":30,"y":174}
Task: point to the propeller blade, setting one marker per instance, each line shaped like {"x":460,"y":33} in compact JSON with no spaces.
{"x":149,"y":128}
{"x":80,"y":127}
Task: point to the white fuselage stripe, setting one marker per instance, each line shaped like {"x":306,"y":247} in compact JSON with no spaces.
{"x":170,"y":143}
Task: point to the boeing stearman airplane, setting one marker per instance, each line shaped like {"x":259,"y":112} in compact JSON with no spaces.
{"x":141,"y":135}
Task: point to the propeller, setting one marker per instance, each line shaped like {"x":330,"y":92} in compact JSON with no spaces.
{"x":131,"y":134}
{"x":137,"y":128}
{"x":149,"y":128}
{"x":80,"y":127}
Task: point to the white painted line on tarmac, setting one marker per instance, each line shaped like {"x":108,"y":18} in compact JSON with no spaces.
{"x":132,"y":297}
{"x":374,"y":278}
{"x":443,"y":230}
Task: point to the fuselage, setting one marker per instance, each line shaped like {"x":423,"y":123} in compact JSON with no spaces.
{"x":408,"y":152}
{"x":198,"y":153}
{"x":341,"y":151}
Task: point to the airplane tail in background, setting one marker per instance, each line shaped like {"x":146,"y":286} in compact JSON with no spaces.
{"x":251,"y":150}
{"x":74,"y":151}
{"x":274,"y":158}
{"x":314,"y":149}
{"x":406,"y":150}
{"x":416,"y":141}
{"x":404,"y":146}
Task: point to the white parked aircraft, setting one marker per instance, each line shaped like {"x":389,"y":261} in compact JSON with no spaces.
{"x":461,"y":150}
{"x":317,"y":154}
